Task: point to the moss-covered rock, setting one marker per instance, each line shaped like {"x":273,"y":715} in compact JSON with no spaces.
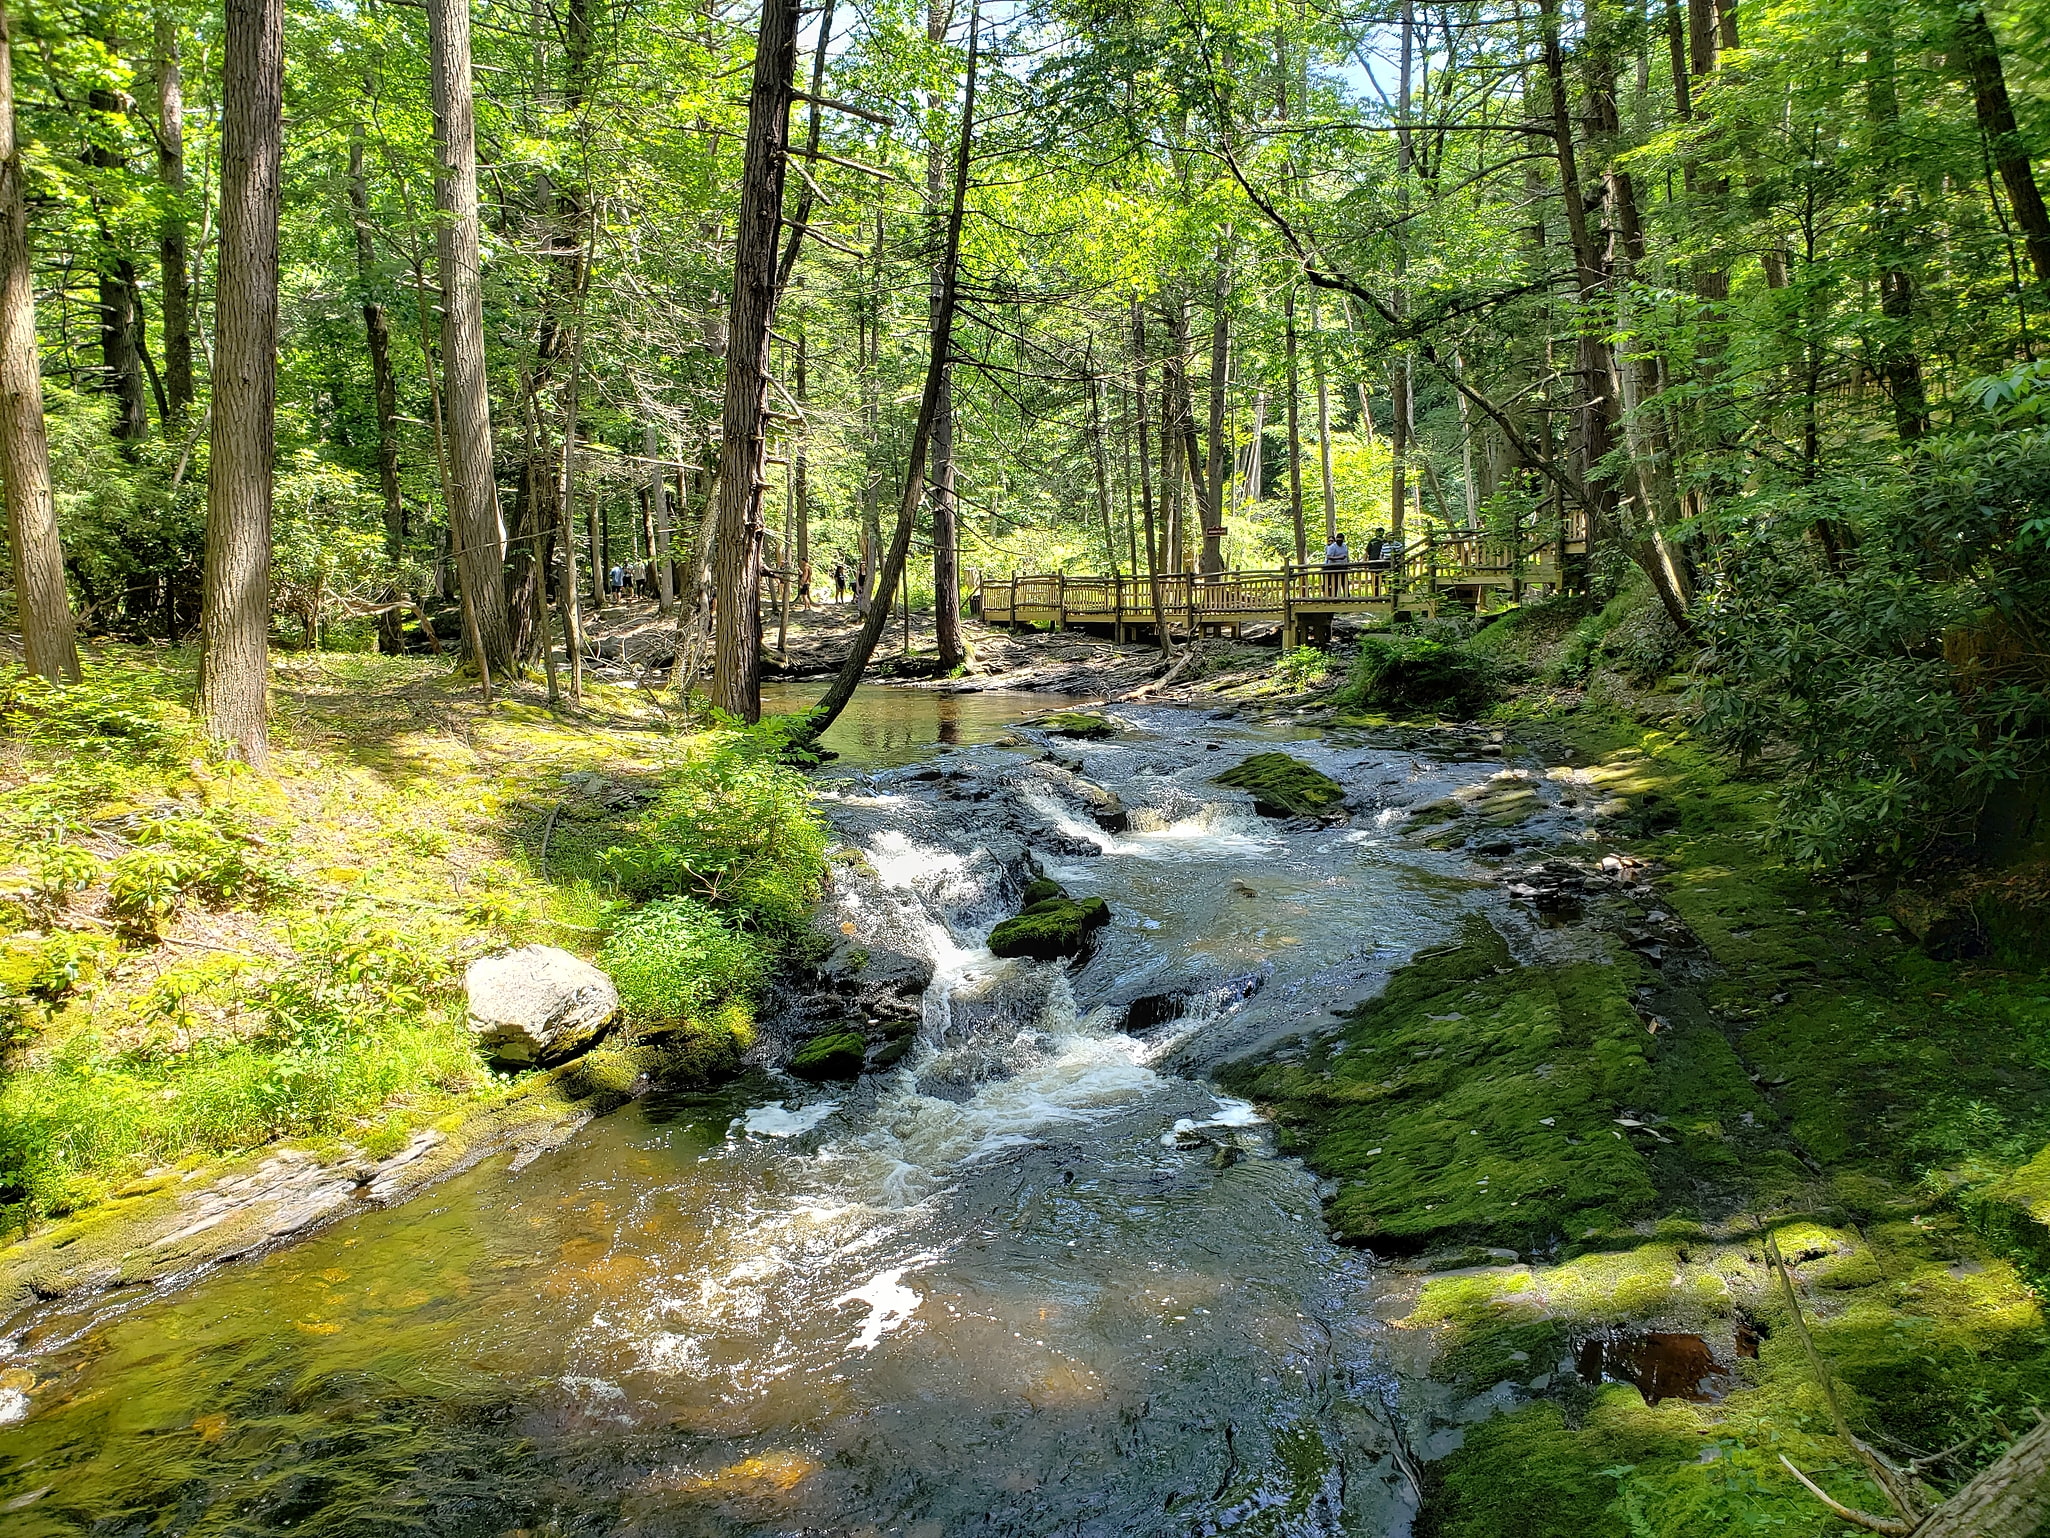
{"x":1051,"y":928}
{"x":836,"y":1056}
{"x":1084,"y":724}
{"x":1283,"y":786}
{"x":1039,"y":891}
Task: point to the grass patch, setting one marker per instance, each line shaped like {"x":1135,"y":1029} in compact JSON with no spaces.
{"x":195,"y":960}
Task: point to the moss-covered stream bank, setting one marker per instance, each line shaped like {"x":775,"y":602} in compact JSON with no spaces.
{"x":1034,"y":1272}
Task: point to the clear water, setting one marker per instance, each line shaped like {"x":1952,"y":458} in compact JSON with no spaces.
{"x":1040,"y":1280}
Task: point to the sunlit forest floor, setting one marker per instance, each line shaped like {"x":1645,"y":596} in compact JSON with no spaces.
{"x":206,"y":972}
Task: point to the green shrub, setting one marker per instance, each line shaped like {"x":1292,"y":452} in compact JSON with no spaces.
{"x":675,"y":959}
{"x":1405,"y":673}
{"x":734,"y":829}
{"x":1304,"y":666}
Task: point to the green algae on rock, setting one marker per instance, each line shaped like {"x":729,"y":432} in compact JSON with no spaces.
{"x":1051,"y":925}
{"x":1085,"y":724}
{"x":1283,"y":786}
{"x":838,"y":1056}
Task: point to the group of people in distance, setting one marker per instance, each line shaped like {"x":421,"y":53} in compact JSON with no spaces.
{"x":1381,"y":555}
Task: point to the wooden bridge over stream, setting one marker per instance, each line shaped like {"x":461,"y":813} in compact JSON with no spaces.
{"x":1463,"y":569}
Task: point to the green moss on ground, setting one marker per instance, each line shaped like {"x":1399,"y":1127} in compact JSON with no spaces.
{"x":1793,"y":1061}
{"x":1283,"y":786}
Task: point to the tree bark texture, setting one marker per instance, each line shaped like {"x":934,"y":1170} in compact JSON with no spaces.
{"x":472,"y":490}
{"x":49,"y":644}
{"x":737,"y":661}
{"x":1220,"y":387}
{"x":234,"y":618}
{"x":946,"y":554}
{"x":1295,"y":433}
{"x":1978,"y":56}
{"x":377,"y":331}
{"x":174,"y":259}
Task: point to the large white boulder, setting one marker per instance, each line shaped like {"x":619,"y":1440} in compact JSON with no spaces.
{"x":538,"y":1004}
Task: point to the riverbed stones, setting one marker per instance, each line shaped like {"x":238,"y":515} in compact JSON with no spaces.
{"x":1050,"y":928}
{"x":538,"y":1004}
{"x":1086,"y":725}
{"x":1283,"y":786}
{"x":836,"y":1056}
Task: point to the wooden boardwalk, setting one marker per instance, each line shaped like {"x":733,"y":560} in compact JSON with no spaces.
{"x":1471,"y":571}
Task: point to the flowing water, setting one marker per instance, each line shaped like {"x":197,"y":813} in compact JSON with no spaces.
{"x":1038,"y":1279}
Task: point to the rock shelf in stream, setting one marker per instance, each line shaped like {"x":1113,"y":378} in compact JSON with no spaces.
{"x":1283,"y":786}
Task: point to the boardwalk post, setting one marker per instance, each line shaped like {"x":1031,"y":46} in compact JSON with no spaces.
{"x":1060,"y":600}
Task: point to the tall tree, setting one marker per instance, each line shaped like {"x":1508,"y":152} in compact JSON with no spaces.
{"x":743,"y":444}
{"x":946,"y":554}
{"x":44,"y":606}
{"x":383,"y":386}
{"x":174,"y":264}
{"x":120,"y":320}
{"x":234,"y":620}
{"x":472,"y":489}
{"x":1978,"y":56}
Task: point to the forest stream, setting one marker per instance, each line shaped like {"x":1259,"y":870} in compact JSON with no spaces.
{"x":1039,"y":1277}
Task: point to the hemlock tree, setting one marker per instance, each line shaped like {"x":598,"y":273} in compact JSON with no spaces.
{"x":234,"y":619}
{"x":48,"y":644}
{"x":743,"y":446}
{"x":472,"y":491}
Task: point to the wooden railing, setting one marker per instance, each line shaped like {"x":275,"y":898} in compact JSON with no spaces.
{"x":1439,"y":565}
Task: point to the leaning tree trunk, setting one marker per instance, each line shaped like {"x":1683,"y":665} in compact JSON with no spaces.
{"x":234,"y":616}
{"x":946,"y":552}
{"x":49,"y":646}
{"x":737,"y":671}
{"x":848,"y":679}
{"x":1978,"y":57}
{"x":173,"y":258}
{"x":472,"y":490}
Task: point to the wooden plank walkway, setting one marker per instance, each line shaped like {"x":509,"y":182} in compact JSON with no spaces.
{"x":1467,"y":569}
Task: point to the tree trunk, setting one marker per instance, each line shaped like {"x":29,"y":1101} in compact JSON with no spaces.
{"x":1220,"y":387}
{"x":658,"y":508}
{"x":737,"y":671}
{"x":946,"y":552}
{"x":1596,"y":361}
{"x":1295,"y":434}
{"x":1153,"y":561}
{"x":1977,"y":55}
{"x":234,"y":619}
{"x":44,"y":607}
{"x":174,"y":260}
{"x":849,"y":677}
{"x":472,"y":490}
{"x":800,"y":481}
{"x":1098,"y":464}
{"x":1899,"y":365}
{"x":1402,"y":383}
{"x":384,"y":388}
{"x":1324,"y":432}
